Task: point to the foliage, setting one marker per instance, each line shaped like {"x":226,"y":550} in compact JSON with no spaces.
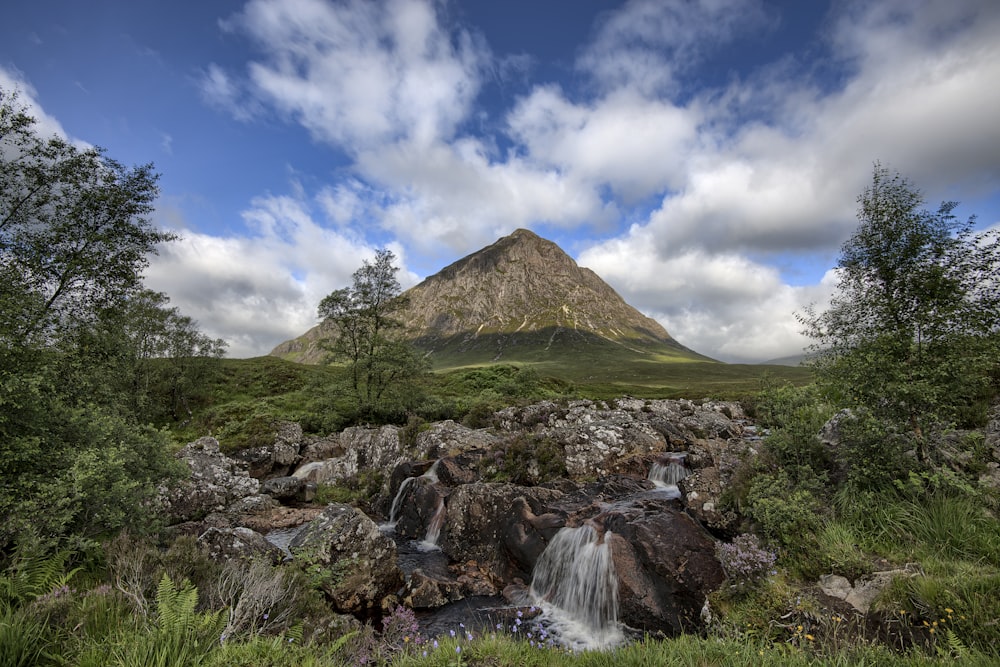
{"x":786,"y":512}
{"x":911,"y":334}
{"x":31,"y":574}
{"x":74,"y":235}
{"x":380,"y":362}
{"x":77,"y":334}
{"x":25,"y":640}
{"x":357,"y":490}
{"x":745,"y":560}
{"x":529,"y":459}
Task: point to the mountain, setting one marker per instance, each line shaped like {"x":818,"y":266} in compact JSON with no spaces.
{"x":521,"y":299}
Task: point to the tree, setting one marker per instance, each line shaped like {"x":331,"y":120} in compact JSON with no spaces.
{"x":74,"y":231}
{"x":367,"y":333}
{"x":77,"y":458}
{"x":911,"y":334}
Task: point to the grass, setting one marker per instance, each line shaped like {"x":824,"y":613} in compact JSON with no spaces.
{"x":239,"y":400}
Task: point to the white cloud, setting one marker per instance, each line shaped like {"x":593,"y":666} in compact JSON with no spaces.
{"x":648,"y":44}
{"x":359,"y":73}
{"x":722,"y":305}
{"x":13,"y":82}
{"x":260,"y":290}
{"x":633,"y":144}
{"x":920,"y":97}
{"x":766,"y":167}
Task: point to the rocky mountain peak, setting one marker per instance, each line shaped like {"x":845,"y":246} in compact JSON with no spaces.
{"x":519,"y":298}
{"x":519,"y":285}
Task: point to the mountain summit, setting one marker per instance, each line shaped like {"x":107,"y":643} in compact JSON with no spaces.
{"x":521,"y":299}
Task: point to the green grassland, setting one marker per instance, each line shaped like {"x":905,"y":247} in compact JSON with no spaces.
{"x":237,"y":400}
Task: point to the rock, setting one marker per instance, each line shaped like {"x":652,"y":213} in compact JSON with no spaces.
{"x":307,"y":493}
{"x":835,"y":586}
{"x":216,"y":481}
{"x":666,"y":566}
{"x":253,"y":505}
{"x":450,"y":439}
{"x":459,"y":469}
{"x":426,"y":591}
{"x":282,"y":488}
{"x":593,"y":448}
{"x":864,"y":591}
{"x":419,"y":507}
{"x":702,"y":491}
{"x":276,"y":459}
{"x":481,"y":525}
{"x":357,"y":449}
{"x":238,"y":544}
{"x":279,"y":517}
{"x":320,"y":449}
{"x":316,"y":472}
{"x":362,"y":572}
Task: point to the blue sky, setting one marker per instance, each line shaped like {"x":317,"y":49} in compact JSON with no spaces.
{"x":702,"y":156}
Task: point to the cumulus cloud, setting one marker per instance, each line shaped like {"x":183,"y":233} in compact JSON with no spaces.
{"x":647,"y":44}
{"x":13,"y":82}
{"x":700,"y":193}
{"x":359,"y":73}
{"x":918,"y":98}
{"x":257,"y":291}
{"x":766,"y":167}
{"x":723,"y":305}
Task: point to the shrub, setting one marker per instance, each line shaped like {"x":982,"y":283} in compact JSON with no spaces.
{"x":530,"y":459}
{"x":745,"y":560}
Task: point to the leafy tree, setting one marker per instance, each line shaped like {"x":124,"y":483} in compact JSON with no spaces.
{"x":911,"y":334}
{"x":77,"y":333}
{"x":368,"y":335}
{"x":74,"y":231}
{"x":159,"y":353}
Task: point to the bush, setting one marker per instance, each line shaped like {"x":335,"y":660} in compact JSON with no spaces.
{"x":745,"y":560}
{"x":530,"y":459}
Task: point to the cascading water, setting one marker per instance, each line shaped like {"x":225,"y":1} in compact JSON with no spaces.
{"x":575,"y":585}
{"x":396,"y":502}
{"x":437,"y":520}
{"x":434,"y":526}
{"x":667,"y":475}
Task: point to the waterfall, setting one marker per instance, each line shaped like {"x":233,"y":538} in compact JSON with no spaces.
{"x":666,"y":476}
{"x":437,"y":520}
{"x":434,"y":527}
{"x":394,"y":510}
{"x":575,"y":585}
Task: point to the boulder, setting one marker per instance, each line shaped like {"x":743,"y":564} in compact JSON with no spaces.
{"x":701,"y":492}
{"x":450,"y":439}
{"x":351,"y":452}
{"x":361,"y":571}
{"x":665,"y":563}
{"x":419,"y":508}
{"x":425,"y":590}
{"x":283,"y":488}
{"x":216,"y":481}
{"x":238,"y":544}
{"x":492,"y":523}
{"x":321,"y":449}
{"x":276,"y":459}
{"x":595,"y":447}
{"x":864,"y":591}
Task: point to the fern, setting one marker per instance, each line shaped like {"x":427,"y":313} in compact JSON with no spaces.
{"x":32,"y":575}
{"x":182,"y":636}
{"x":953,"y":647}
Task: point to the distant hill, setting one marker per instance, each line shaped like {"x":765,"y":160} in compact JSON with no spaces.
{"x":521,"y":299}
